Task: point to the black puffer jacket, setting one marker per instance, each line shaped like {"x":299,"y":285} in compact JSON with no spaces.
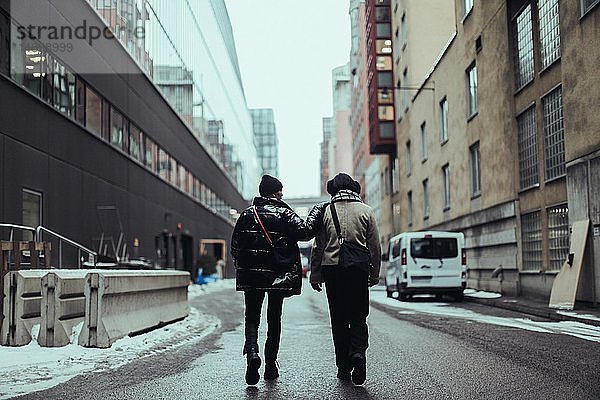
{"x":253,"y":255}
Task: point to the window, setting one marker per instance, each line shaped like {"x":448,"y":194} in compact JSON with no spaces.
{"x":471,"y":91}
{"x":405,"y":91}
{"x":4,"y":44}
{"x":475,"y":170}
{"x":384,"y":63}
{"x":444,"y":121}
{"x":32,"y":212}
{"x":531,"y":237}
{"x":385,"y":78}
{"x":386,"y":129}
{"x":396,"y":176}
{"x":558,"y":235}
{"x":434,"y":248}
{"x":425,"y":199}
{"x":423,"y":143}
{"x":63,"y":97}
{"x":135,"y":142}
{"x":382,"y":13}
{"x":386,"y":113}
{"x":383,"y":46}
{"x":523,"y":48}
{"x":528,"y":149}
{"x":410,"y":209}
{"x":80,"y":98}
{"x":26,"y":64}
{"x":117,"y":127}
{"x":446,"y":186}
{"x":408,"y":161}
{"x":383,"y":29}
{"x":399,"y":102}
{"x":549,"y":31}
{"x":182,"y":177}
{"x":587,"y":5}
{"x":93,"y":111}
{"x":396,"y":207}
{"x":150,"y":154}
{"x":164,"y":165}
{"x":403,"y":28}
{"x":554,"y":136}
{"x":467,"y":7}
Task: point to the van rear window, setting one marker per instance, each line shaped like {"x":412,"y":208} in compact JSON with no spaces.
{"x":434,"y":248}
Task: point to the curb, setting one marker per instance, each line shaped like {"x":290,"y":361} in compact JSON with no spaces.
{"x":514,"y":305}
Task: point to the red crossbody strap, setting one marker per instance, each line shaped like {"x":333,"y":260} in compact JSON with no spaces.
{"x":261,"y":225}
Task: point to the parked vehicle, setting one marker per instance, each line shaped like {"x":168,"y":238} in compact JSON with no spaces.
{"x":431,"y":262}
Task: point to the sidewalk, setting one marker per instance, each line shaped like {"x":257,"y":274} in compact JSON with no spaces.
{"x":583,"y":313}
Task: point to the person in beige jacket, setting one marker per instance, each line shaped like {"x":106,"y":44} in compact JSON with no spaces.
{"x":347,"y":288}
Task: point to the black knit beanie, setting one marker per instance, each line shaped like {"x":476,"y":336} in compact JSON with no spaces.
{"x":342,"y":181}
{"x":269,"y":185}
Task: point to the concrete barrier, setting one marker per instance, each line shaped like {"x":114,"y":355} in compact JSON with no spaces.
{"x":22,"y":305}
{"x":62,"y":306}
{"x":121,"y":303}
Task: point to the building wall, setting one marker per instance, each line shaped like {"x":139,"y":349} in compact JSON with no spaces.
{"x":581,"y":88}
{"x":504,"y":254}
{"x":76,"y":170}
{"x":488,"y":218}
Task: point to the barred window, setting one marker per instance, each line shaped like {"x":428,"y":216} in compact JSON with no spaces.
{"x":549,"y":31}
{"x":523,"y":47}
{"x":531,"y":237}
{"x":558,"y":235}
{"x":554,"y":135}
{"x":528,"y":149}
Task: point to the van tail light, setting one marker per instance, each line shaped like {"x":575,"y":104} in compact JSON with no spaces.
{"x":403,"y":256}
{"x":464,"y":257}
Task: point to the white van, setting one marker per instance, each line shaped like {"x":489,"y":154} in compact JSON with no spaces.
{"x":426,"y":263}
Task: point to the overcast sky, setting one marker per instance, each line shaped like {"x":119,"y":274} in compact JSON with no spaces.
{"x":286,"y":50}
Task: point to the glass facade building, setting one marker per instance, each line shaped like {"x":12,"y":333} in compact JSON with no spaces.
{"x":137,"y":104}
{"x":265,"y":140}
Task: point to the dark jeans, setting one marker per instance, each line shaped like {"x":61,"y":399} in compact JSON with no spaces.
{"x":348,"y":296}
{"x":254,"y":300}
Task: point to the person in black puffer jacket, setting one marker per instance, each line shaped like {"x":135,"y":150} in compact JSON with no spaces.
{"x":268,"y":261}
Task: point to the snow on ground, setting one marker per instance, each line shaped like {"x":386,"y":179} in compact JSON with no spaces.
{"x":427,"y":306}
{"x":480,"y":294}
{"x":32,"y":368}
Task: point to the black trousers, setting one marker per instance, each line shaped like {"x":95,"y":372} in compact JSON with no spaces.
{"x":254,"y":301}
{"x":348,"y":296}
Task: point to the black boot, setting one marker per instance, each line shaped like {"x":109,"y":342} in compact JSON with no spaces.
{"x":359,"y":369}
{"x":252,"y":375}
{"x":271,"y":370}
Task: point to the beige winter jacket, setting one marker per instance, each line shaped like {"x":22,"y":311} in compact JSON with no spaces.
{"x":357,"y":224}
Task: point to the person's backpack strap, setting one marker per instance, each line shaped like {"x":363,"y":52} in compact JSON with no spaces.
{"x":261,"y":225}
{"x":336,"y":222}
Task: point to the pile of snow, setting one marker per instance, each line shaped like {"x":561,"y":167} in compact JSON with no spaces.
{"x":428,"y":306}
{"x":32,"y":368}
{"x":481,"y":294}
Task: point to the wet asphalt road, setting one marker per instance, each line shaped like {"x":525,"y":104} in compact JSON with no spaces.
{"x":411,"y":356}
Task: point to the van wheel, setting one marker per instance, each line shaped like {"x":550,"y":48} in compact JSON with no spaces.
{"x":390,"y":293}
{"x":459,"y":296}
{"x":401,"y":296}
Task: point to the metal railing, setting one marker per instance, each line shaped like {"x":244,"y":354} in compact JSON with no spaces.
{"x":36,"y":232}
{"x":92,"y":255}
